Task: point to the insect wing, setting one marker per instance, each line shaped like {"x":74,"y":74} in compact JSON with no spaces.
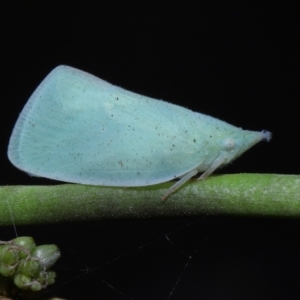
{"x":78,"y":128}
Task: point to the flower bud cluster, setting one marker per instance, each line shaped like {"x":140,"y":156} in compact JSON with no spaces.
{"x":27,"y":264}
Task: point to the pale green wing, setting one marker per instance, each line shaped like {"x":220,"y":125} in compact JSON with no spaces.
{"x":78,"y":128}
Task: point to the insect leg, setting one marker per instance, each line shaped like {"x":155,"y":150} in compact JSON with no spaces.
{"x":216,"y":164}
{"x":179,"y":183}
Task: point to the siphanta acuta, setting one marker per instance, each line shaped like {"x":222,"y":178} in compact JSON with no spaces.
{"x":78,"y":128}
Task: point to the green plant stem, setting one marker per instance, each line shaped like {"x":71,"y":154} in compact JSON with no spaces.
{"x":239,"y":194}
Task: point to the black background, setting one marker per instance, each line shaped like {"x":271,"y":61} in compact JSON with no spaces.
{"x":235,"y":60}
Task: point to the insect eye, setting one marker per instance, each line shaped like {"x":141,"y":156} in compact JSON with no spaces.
{"x":229,"y":144}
